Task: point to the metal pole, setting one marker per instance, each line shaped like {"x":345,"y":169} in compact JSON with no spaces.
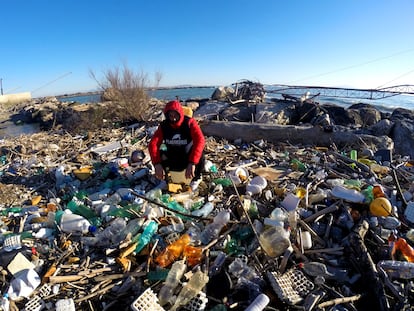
{"x":1,"y":85}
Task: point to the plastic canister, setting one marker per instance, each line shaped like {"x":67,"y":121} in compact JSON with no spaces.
{"x":274,"y":241}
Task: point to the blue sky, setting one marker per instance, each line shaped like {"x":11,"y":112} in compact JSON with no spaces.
{"x":50,"y":47}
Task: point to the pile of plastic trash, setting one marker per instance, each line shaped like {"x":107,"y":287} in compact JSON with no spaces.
{"x":269,"y":228}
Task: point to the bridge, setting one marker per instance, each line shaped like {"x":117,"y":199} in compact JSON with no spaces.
{"x":313,"y":91}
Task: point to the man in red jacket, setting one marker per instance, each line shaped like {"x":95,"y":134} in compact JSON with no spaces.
{"x":184,"y":142}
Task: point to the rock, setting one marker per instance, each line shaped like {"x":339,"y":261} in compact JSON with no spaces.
{"x":222,"y":93}
{"x":403,"y":137}
{"x":383,"y":127}
{"x":364,"y":115}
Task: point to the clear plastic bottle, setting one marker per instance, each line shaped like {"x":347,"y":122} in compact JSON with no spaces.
{"x":171,"y":282}
{"x":204,"y":211}
{"x":196,"y":283}
{"x":276,"y":218}
{"x":218,"y":263}
{"x":109,"y":235}
{"x":176,"y":226}
{"x":213,"y":229}
{"x":347,"y":194}
{"x":398,"y":269}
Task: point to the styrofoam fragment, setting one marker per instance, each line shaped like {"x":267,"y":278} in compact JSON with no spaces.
{"x":65,"y":305}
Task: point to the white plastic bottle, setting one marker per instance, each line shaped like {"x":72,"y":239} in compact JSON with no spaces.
{"x":73,"y":223}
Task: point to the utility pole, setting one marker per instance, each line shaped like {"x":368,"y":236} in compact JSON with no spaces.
{"x":1,"y":85}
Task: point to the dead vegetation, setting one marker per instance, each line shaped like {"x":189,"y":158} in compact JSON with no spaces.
{"x":126,"y":89}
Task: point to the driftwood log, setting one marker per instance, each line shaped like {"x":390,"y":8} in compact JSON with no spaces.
{"x":294,"y":134}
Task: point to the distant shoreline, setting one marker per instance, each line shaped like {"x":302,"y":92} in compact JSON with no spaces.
{"x":149,"y":89}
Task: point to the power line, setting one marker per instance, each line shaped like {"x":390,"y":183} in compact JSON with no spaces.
{"x":353,"y":66}
{"x":58,"y":78}
{"x":399,"y":77}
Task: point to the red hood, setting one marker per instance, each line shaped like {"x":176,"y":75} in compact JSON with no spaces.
{"x":175,"y":105}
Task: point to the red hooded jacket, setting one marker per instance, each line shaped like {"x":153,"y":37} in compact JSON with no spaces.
{"x":166,"y":129}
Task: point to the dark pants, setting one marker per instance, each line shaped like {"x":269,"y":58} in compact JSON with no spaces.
{"x":180,"y":164}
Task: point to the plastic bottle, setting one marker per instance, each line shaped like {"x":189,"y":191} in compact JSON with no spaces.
{"x":398,"y":269}
{"x":274,"y":240}
{"x":212,"y":230}
{"x":276,"y":218}
{"x":240,"y":269}
{"x":298,"y":165}
{"x":319,"y":196}
{"x":149,"y":229}
{"x":204,"y":211}
{"x":314,"y":268}
{"x":347,"y":194}
{"x":196,"y":283}
{"x":193,"y":254}
{"x":173,"y":251}
{"x":171,"y":282}
{"x":218,"y":263}
{"x":73,"y":223}
{"x":353,"y":155}
{"x":174,"y":227}
{"x":77,"y":207}
{"x":110,"y":234}
{"x":400,"y":246}
{"x":259,"y":303}
{"x":225,"y":182}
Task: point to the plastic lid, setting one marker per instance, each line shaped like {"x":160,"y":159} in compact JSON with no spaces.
{"x":92,"y":229}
